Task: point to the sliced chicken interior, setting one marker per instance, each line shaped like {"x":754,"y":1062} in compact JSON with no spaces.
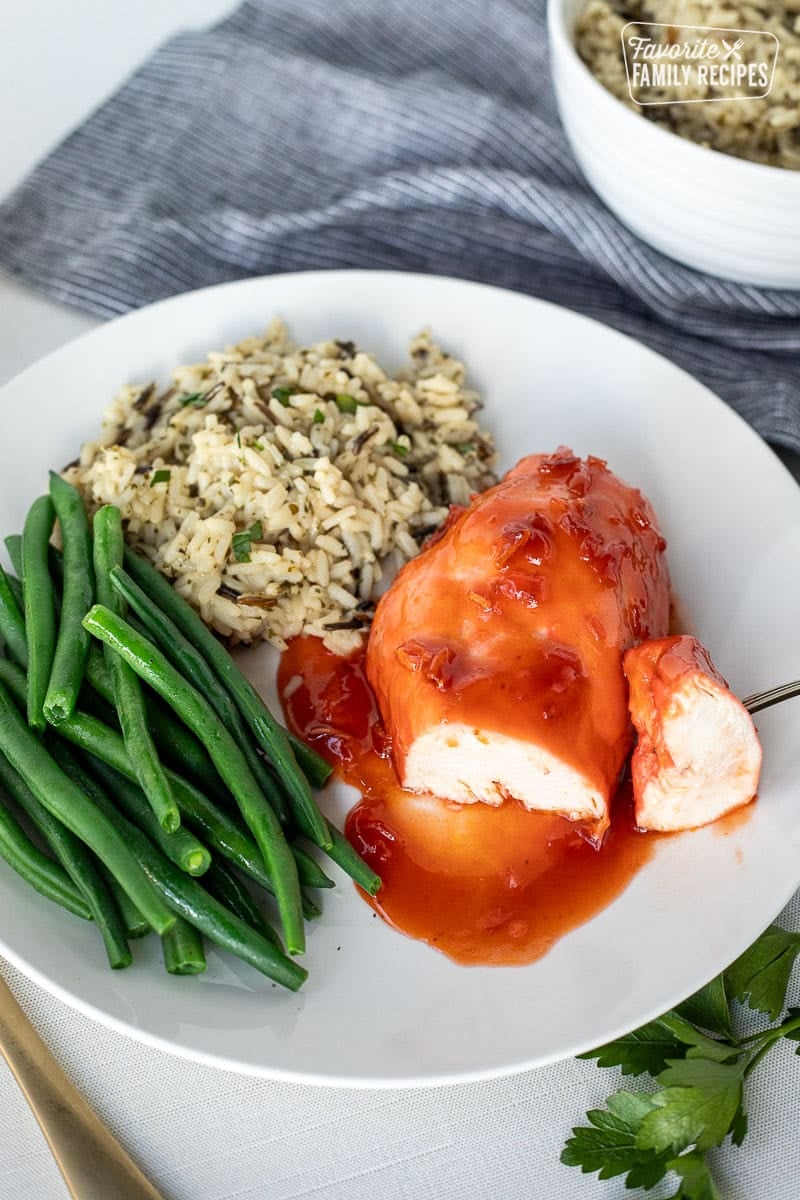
{"x":698,"y":755}
{"x":496,"y":655}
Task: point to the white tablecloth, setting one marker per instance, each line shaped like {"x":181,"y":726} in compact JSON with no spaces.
{"x":205,"y":1134}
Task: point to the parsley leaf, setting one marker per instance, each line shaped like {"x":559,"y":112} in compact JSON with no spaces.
{"x":794,"y":1034}
{"x":709,"y":1008}
{"x":646,"y":1049}
{"x":650,"y":1048}
{"x":700,"y":1102}
{"x":196,"y":400}
{"x":696,"y":1181}
{"x":612,"y":1148}
{"x":160,"y":477}
{"x":319,"y":416}
{"x":699,"y":1044}
{"x":739,"y":1127}
{"x":760,"y":976}
{"x":345,"y":403}
{"x":241,"y":542}
{"x":282,"y":394}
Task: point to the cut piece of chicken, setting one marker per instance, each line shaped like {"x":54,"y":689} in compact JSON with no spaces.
{"x":698,"y":755}
{"x":496,"y":655}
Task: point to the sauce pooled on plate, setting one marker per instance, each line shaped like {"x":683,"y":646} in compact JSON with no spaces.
{"x":485,"y":885}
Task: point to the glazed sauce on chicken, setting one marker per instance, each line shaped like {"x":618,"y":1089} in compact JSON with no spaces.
{"x":496,"y":654}
{"x":484,"y":885}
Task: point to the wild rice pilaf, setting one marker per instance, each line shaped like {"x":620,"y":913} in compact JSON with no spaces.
{"x":275,"y":485}
{"x":763,"y":130}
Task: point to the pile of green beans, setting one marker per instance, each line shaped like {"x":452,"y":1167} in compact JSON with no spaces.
{"x":144,"y":784}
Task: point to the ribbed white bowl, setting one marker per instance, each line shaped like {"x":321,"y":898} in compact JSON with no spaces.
{"x":721,"y":214}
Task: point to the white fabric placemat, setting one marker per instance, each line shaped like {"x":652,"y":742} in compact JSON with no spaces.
{"x":207,"y":1134}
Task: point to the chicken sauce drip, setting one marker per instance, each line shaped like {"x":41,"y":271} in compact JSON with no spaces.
{"x":484,"y":885}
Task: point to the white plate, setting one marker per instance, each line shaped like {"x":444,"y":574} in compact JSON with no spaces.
{"x":379,"y":1008}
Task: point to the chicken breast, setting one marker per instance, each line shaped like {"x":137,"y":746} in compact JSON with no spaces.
{"x":698,"y":754}
{"x":496,"y":655}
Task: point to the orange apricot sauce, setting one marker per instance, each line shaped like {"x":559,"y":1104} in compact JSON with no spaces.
{"x":483,"y":885}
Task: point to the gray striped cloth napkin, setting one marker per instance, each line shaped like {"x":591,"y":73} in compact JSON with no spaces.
{"x":374,"y":133}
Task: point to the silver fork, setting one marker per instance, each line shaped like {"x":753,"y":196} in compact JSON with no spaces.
{"x":94,"y":1165}
{"x":766,"y":699}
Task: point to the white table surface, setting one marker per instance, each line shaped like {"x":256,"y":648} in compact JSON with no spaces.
{"x":205,"y":1134}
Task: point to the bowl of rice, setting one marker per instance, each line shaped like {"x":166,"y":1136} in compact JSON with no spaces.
{"x":705,"y":174}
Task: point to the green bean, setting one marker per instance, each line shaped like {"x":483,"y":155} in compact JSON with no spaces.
{"x":309,"y":871}
{"x":180,"y":846}
{"x":12,"y":623}
{"x":182,"y":947}
{"x":316,"y":770}
{"x":352,"y":863}
{"x":16,"y":591}
{"x":268,"y":732}
{"x":98,"y":675}
{"x":77,"y":862}
{"x":214,"y":824}
{"x":190,"y":900}
{"x":174,"y":741}
{"x":92,"y":702}
{"x":64,"y":800}
{"x":40,"y":609}
{"x":193,"y":807}
{"x":128,"y":698}
{"x":193,"y":666}
{"x":221,"y":831}
{"x":47,"y":877}
{"x":15,"y":680}
{"x":72,"y":642}
{"x":13,"y":545}
{"x":227,"y":887}
{"x":183,"y":752}
{"x":132,"y":920}
{"x":152,"y":666}
{"x":230,"y":840}
{"x":178,"y":746}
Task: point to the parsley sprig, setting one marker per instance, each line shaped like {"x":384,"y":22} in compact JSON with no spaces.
{"x":700,"y":1067}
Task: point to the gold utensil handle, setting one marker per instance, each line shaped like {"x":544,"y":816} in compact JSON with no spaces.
{"x":94,"y":1165}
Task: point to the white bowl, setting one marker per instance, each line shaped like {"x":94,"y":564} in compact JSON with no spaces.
{"x":721,"y":214}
